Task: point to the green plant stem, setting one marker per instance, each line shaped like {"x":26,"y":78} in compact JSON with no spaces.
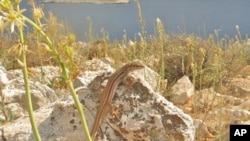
{"x":66,"y":77}
{"x":27,"y":87}
{"x":28,"y":98}
{"x":81,"y":114}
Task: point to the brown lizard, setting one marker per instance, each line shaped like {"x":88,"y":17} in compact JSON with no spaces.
{"x":109,"y":91}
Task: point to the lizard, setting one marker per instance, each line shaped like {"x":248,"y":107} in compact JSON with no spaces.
{"x":109,"y":91}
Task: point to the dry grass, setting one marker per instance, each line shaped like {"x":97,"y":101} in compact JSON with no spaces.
{"x":208,"y":62}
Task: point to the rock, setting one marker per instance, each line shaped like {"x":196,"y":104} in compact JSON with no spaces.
{"x":235,"y":115}
{"x":225,"y":136}
{"x":215,"y":108}
{"x":3,"y":76}
{"x":201,"y":129}
{"x":182,"y":91}
{"x":241,"y":91}
{"x":16,"y":110}
{"x":209,"y":96}
{"x":44,"y":74}
{"x":41,"y":94}
{"x":244,"y":105}
{"x":139,"y":113}
{"x":20,"y":129}
{"x":100,"y":67}
{"x":239,"y":87}
{"x":14,"y":93}
{"x":244,"y":72}
{"x":78,"y":82}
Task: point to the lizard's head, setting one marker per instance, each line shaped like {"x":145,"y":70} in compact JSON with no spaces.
{"x":135,"y":65}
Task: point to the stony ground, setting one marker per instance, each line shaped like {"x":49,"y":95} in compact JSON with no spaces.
{"x":220,"y":109}
{"x":215,"y":109}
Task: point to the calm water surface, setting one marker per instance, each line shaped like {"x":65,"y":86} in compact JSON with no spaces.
{"x":201,"y":17}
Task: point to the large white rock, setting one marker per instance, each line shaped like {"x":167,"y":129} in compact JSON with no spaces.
{"x":139,"y":114}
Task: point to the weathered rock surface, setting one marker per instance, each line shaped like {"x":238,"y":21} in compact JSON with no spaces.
{"x":139,"y":113}
{"x":218,"y":111}
{"x":13,"y":91}
{"x":226,"y":135}
{"x":201,"y":129}
{"x":182,"y":91}
{"x":239,"y":87}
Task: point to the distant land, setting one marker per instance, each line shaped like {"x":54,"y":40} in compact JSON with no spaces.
{"x":86,"y":1}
